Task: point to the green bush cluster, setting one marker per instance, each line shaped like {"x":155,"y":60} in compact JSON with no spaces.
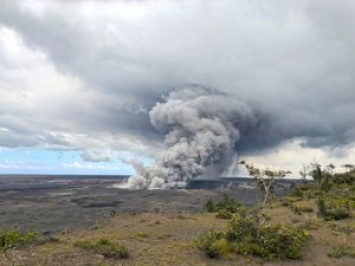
{"x":228,"y":204}
{"x":345,"y":229}
{"x":304,"y":192}
{"x":113,"y":213}
{"x":142,"y":234}
{"x":293,"y":203}
{"x":224,"y":208}
{"x":207,"y":243}
{"x":105,"y":247}
{"x":14,"y":239}
{"x":299,"y":209}
{"x":245,"y":237}
{"x":333,"y":208}
{"x":326,"y":180}
{"x":341,"y":251}
{"x":274,"y":241}
{"x":311,"y":224}
{"x":347,"y":179}
{"x":210,"y":206}
{"x":224,"y":214}
{"x":292,"y":199}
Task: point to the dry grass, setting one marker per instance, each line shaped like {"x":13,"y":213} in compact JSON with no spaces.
{"x":163,"y":239}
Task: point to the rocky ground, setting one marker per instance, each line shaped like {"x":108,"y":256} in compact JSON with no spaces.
{"x":50,"y":206}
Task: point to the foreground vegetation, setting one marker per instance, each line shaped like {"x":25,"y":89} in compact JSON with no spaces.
{"x":245,"y":234}
{"x":313,"y":224}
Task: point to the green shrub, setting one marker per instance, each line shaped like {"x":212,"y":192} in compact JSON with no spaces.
{"x":347,"y":179}
{"x":97,"y":225}
{"x":341,"y":251}
{"x":299,"y":209}
{"x":224,"y":214}
{"x":227,"y":204}
{"x":292,"y":199}
{"x":244,"y":236}
{"x":241,"y":228}
{"x":113,"y":213}
{"x":14,"y":239}
{"x":333,"y":208}
{"x":142,"y":234}
{"x":304,"y":192}
{"x":311,"y":224}
{"x":298,"y":192}
{"x":345,"y":229}
{"x":207,"y":243}
{"x":224,"y":247}
{"x":210,"y":206}
{"x":274,"y":241}
{"x":281,"y":242}
{"x":105,"y":247}
{"x":285,"y":203}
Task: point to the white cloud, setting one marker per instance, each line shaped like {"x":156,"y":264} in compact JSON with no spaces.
{"x":89,"y":166}
{"x":42,"y":107}
{"x":292,"y":156}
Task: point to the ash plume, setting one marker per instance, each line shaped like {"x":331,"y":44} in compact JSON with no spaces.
{"x":201,"y":129}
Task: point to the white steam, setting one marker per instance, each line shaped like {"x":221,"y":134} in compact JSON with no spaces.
{"x":200,"y":127}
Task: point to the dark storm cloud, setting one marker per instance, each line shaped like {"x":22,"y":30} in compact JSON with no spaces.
{"x":292,"y":63}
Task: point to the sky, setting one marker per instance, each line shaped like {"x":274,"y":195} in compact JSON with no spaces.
{"x":78,"y":79}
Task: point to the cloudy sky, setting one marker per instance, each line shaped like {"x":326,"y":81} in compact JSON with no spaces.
{"x":78,"y":78}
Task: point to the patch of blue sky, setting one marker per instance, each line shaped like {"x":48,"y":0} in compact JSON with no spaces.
{"x":39,"y":161}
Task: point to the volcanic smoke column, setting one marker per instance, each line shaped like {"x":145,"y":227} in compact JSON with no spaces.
{"x":200,"y":127}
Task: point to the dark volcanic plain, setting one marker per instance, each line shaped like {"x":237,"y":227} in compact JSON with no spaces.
{"x":50,"y":204}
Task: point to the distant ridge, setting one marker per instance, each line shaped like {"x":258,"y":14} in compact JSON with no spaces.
{"x":236,"y":182}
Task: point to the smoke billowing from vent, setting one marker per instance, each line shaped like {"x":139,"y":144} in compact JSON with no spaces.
{"x":201,"y":129}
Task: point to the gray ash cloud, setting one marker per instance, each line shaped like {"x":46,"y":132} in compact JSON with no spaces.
{"x":201,"y":129}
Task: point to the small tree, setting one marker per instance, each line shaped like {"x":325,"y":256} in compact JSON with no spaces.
{"x":305,"y":171}
{"x":322,"y":177}
{"x":266,"y":182}
{"x":331,"y":168}
{"x":348,"y":166}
